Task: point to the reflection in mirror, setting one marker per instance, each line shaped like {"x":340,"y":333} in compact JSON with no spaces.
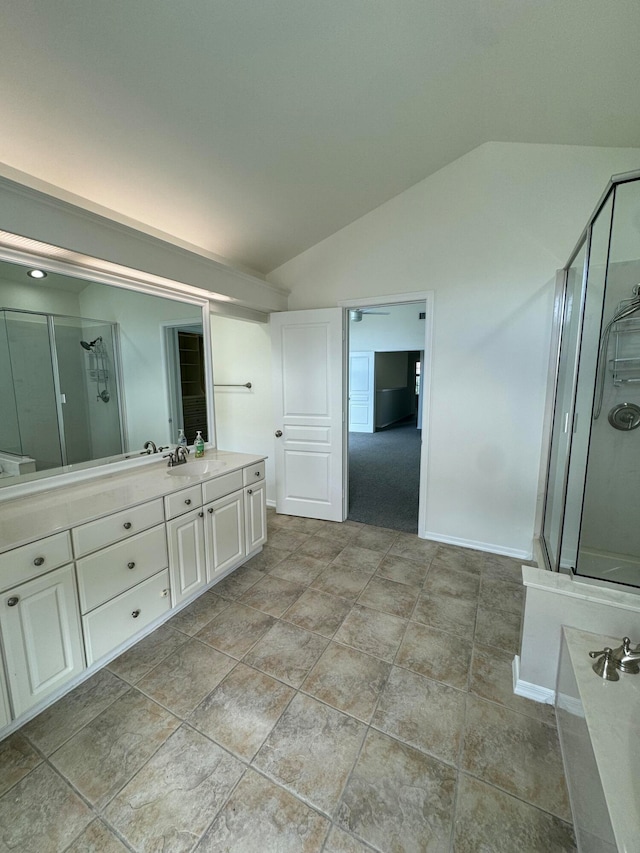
{"x":90,"y":371}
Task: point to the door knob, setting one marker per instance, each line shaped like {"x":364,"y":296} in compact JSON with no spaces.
{"x":278,"y":433}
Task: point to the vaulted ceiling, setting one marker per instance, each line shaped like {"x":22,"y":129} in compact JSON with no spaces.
{"x":255,"y":128}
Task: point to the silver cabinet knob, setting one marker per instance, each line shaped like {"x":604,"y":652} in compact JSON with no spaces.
{"x":200,"y":515}
{"x":210,"y":510}
{"x":127,"y":525}
{"x":11,"y":602}
{"x":136,"y":613}
{"x":188,"y":501}
{"x":278,"y":433}
{"x":38,"y":561}
{"x":131,"y":565}
{"x":257,"y":473}
{"x":249,"y":491}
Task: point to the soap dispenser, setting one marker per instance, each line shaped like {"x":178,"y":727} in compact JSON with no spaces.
{"x":198,"y":445}
{"x":182,"y":438}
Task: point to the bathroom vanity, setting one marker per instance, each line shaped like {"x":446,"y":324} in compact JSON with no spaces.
{"x":599,"y":727}
{"x":89,"y":568}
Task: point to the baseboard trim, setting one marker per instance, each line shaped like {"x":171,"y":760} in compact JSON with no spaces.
{"x":479,"y":546}
{"x":527,"y":690}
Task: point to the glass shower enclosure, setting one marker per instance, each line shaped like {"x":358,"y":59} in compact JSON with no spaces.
{"x":592,"y":496}
{"x":59,"y":391}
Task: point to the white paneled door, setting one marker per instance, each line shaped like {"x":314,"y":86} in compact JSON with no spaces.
{"x":309,"y":390}
{"x":361,"y":391}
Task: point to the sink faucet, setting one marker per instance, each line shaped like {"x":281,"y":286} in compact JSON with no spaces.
{"x":177,"y":456}
{"x":623,"y":658}
{"x":150,"y":447}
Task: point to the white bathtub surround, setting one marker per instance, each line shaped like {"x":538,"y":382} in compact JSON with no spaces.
{"x":553,"y":600}
{"x":599,"y":728}
{"x":13,"y":465}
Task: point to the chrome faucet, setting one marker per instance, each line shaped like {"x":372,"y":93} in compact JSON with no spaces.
{"x":150,"y":447}
{"x":624,"y":658}
{"x":177,"y":456}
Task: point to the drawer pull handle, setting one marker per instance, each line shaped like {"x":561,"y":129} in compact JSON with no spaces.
{"x":257,"y":473}
{"x":131,"y":565}
{"x":249,"y":491}
{"x":188,"y":501}
{"x":136,"y":613}
{"x":38,"y":561}
{"x":210,"y":510}
{"x":200,"y":515}
{"x":164,"y":593}
{"x":127,"y":525}
{"x":11,"y":602}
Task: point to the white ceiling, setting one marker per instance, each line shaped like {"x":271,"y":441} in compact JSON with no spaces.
{"x":255,"y":128}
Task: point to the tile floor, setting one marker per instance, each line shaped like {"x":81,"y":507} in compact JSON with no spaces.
{"x":347,"y":690}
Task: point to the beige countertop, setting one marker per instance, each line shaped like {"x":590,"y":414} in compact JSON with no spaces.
{"x":33,"y":516}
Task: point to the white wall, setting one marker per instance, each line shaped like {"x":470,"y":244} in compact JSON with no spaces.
{"x":244,"y":419}
{"x":487,"y":234}
{"x":400,"y":329}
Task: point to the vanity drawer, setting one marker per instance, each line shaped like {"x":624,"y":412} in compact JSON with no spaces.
{"x":105,"y":531}
{"x":115,"y":622}
{"x":221,"y":486}
{"x":30,"y":561}
{"x":183,"y":501}
{"x":113,"y":570}
{"x":253,"y":474}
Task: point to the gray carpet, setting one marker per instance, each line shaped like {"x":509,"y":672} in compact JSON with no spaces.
{"x":384,"y":477}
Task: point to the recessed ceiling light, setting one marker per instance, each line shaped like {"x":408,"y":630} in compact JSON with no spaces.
{"x":37,"y":274}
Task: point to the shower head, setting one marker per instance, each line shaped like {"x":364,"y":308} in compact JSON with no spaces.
{"x":90,"y":346}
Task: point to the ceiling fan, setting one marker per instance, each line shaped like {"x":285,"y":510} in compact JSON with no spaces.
{"x":356,"y":314}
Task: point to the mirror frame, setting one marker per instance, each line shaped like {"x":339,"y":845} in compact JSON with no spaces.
{"x":96,"y":271}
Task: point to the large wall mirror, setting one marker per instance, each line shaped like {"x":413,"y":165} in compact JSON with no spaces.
{"x":91,"y":371}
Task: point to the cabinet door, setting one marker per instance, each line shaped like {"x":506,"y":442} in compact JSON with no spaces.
{"x":187,"y":566}
{"x":255,"y":516}
{"x":225,"y":533}
{"x":5,"y":716}
{"x":42,"y":638}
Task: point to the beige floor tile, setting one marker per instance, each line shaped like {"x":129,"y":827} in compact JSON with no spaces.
{"x":199,"y":613}
{"x":261,"y":816}
{"x":267,"y":559}
{"x":300,"y":568}
{"x":104,"y":755}
{"x":311,"y":751}
{"x":389,"y":597}
{"x":272,"y":595}
{"x":492,"y":678}
{"x":97,"y":838}
{"x":501,"y":595}
{"x":318,"y":612}
{"x":287,"y":652}
{"x":448,"y":581}
{"x":242,"y":710}
{"x":339,"y":580}
{"x":321,"y":548}
{"x":340,"y":841}
{"x":503,"y":568}
{"x":399,"y":799}
{"x":339,"y":533}
{"x":348,"y":680}
{"x":287,"y":540}
{"x":238,"y":582}
{"x":372,"y":632}
{"x":447,"y":613}
{"x":359,"y":559}
{"x":170,"y":803}
{"x":376,"y":538}
{"x":459,"y":559}
{"x":501,"y":632}
{"x":516,"y":753}
{"x":183,"y":679}
{"x":147,"y":653}
{"x":436,"y":654}
{"x":488,"y":819}
{"x":423,"y":713}
{"x":236,"y":629}
{"x":403,"y":571}
{"x":41,"y":813}
{"x":17,"y":759}
{"x":51,"y":728}
{"x":411,"y":547}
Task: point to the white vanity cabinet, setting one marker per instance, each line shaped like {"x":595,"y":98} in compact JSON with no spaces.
{"x":224,"y":531}
{"x":255,"y":515}
{"x":187,"y":554}
{"x":41,"y":636}
{"x":5,"y":713}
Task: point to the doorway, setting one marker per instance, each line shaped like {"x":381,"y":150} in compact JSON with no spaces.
{"x":384,"y":447}
{"x":186,"y":380}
